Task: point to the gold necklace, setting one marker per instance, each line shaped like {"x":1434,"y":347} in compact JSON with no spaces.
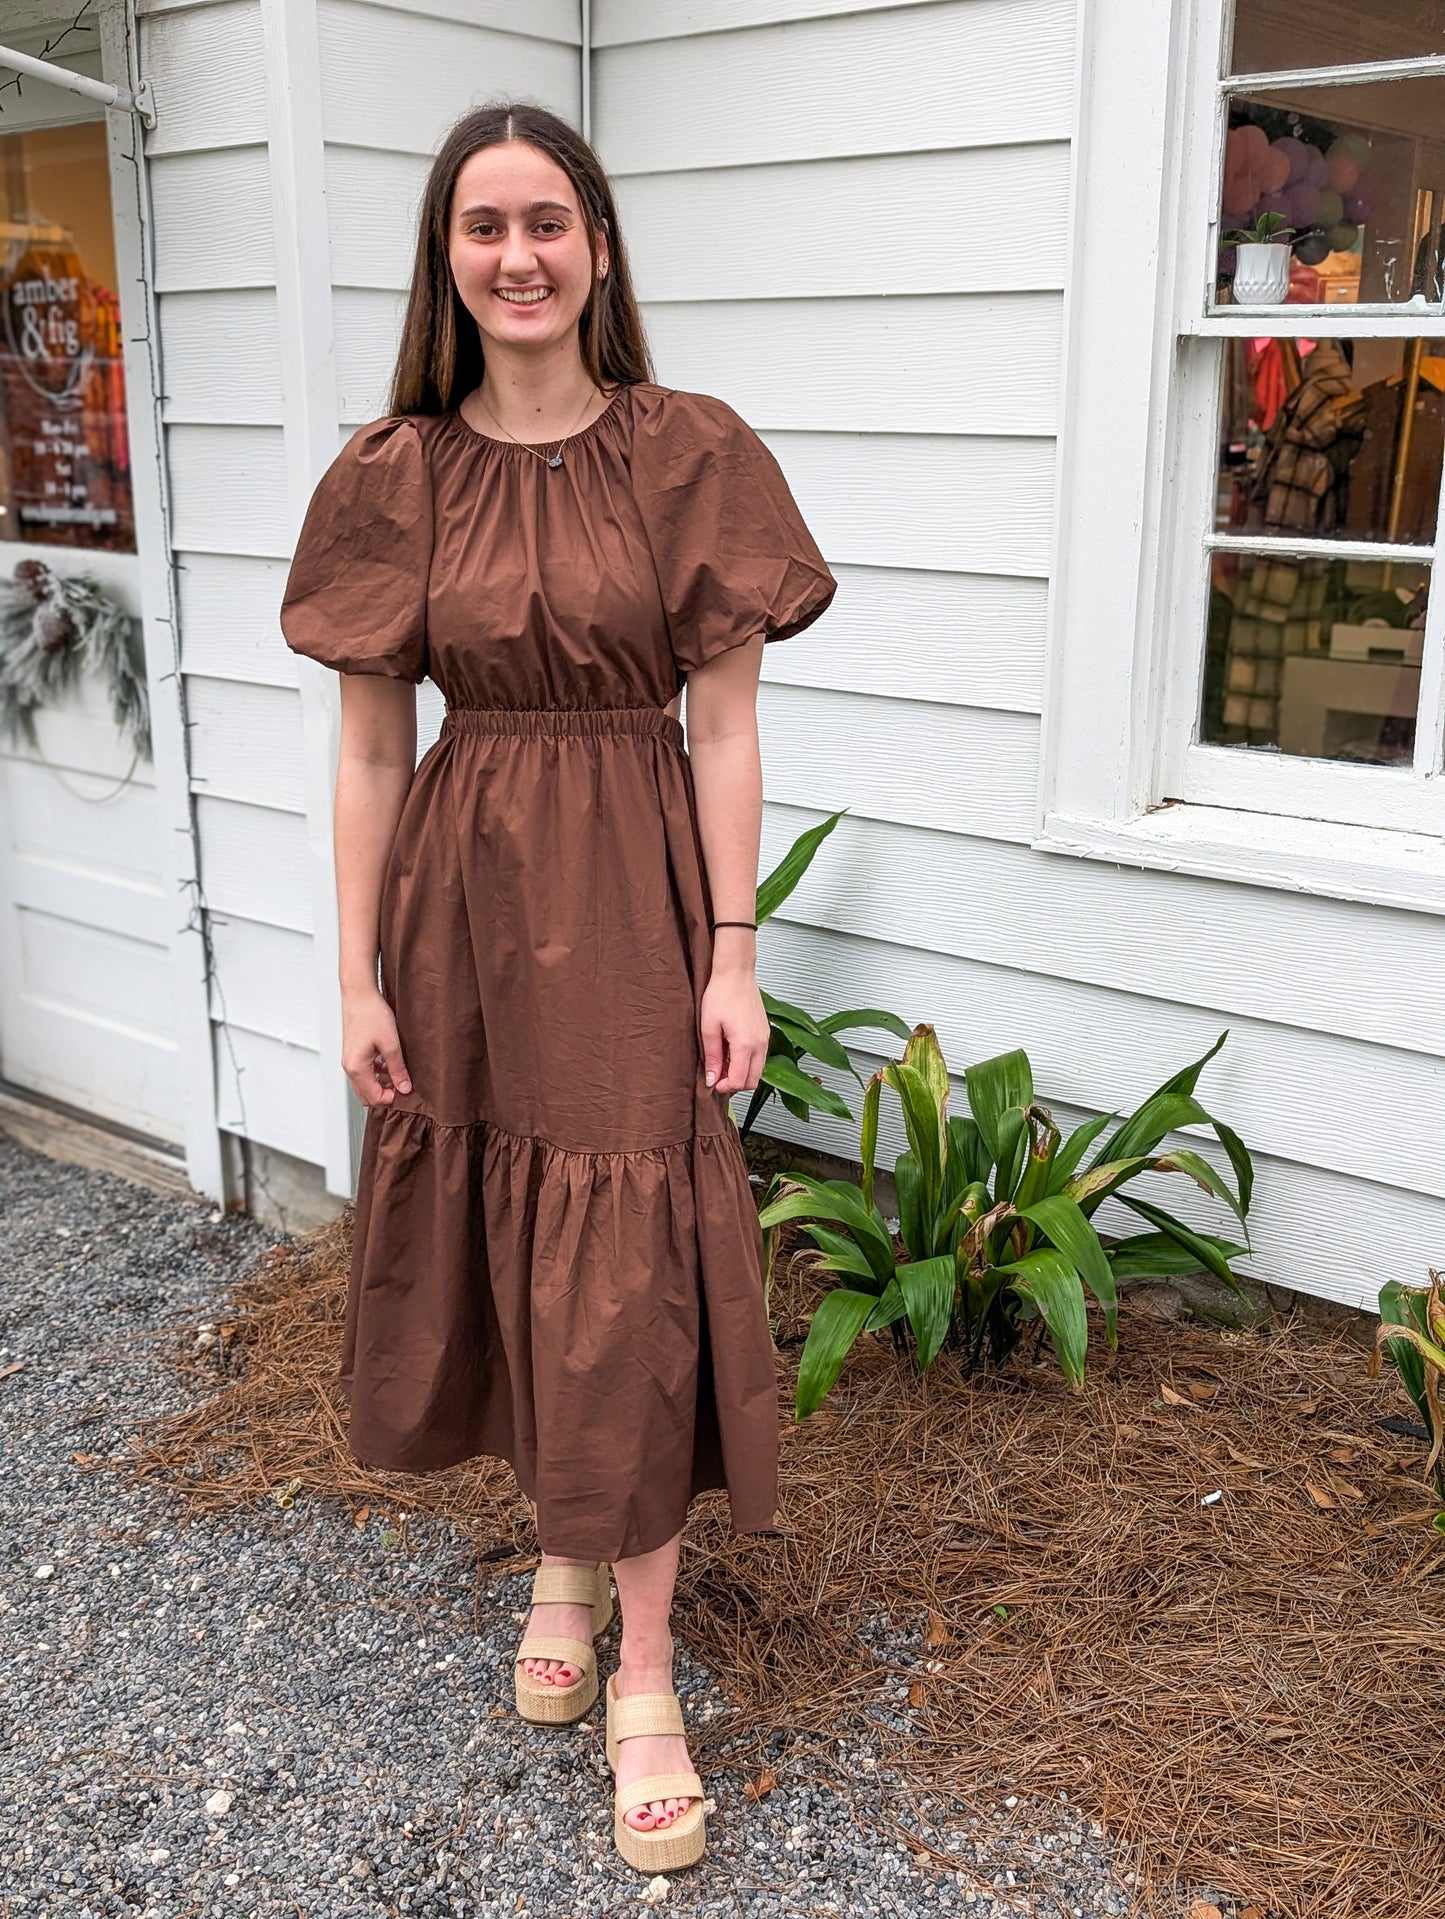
{"x":555,"y":458}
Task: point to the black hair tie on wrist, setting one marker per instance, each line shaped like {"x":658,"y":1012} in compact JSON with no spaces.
{"x":752,"y":923}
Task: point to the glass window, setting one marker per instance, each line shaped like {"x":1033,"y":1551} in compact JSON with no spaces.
{"x":1332,"y":438}
{"x":1270,"y":36}
{"x":64,"y":453}
{"x":1357,"y":174}
{"x":1315,"y":657}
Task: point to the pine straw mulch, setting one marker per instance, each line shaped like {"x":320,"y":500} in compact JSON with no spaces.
{"x":1246,"y":1692}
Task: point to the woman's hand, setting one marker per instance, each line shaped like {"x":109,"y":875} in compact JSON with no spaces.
{"x":735,"y":1031}
{"x":371,"y":1048}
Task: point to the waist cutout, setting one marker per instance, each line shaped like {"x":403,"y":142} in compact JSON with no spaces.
{"x":588,"y":722}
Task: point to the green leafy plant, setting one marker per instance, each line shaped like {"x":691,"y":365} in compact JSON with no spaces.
{"x":1412,"y":1331}
{"x":795,"y":1035}
{"x":995,"y":1217}
{"x":1268,"y":227}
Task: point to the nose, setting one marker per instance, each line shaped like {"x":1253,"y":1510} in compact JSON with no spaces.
{"x":518,"y":256}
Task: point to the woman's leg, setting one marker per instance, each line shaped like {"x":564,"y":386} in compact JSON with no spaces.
{"x":565,"y":1620}
{"x":644,"y":1591}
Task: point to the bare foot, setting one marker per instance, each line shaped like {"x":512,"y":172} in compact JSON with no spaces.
{"x":650,"y":1752}
{"x":562,"y":1620}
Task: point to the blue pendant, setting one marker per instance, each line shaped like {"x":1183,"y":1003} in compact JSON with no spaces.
{"x":556,"y":460}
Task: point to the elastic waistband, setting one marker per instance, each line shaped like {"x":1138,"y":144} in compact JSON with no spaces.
{"x":536,"y":722}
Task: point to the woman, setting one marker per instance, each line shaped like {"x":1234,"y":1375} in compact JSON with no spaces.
{"x":557,"y":1254}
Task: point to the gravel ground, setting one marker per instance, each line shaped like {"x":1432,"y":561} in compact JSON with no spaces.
{"x":271,"y":1712}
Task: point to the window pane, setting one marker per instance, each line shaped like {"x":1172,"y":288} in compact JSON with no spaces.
{"x":1281,"y":36}
{"x":1318,"y":657}
{"x":1332,"y":438}
{"x":64,"y":455}
{"x":1358,"y":174}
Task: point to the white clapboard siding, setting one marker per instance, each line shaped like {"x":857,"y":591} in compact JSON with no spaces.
{"x":372,"y":204}
{"x":960,"y":73}
{"x":265,"y":979}
{"x":905,"y":363}
{"x":367,"y":323}
{"x":949,"y":768}
{"x":228,"y":489}
{"x":616,"y":22}
{"x":371,"y":97}
{"x":222,"y":352}
{"x":268,"y":1090}
{"x":1283,"y":1089}
{"x":246,"y":742}
{"x":979,"y":220}
{"x":229,"y":624}
{"x":83,"y":861}
{"x":256,"y":862}
{"x":962,"y":503}
{"x":204,"y":64}
{"x":969,"y":639}
{"x":212,"y":220}
{"x":1009,"y":906}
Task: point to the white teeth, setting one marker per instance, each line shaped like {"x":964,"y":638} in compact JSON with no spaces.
{"x":525,"y":299}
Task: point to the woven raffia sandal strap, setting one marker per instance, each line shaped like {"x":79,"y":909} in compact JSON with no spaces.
{"x":576,"y":1652}
{"x":658,"y":1785}
{"x":640,"y":1713}
{"x":565,"y":1585}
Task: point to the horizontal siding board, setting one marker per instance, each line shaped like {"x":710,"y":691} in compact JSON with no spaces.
{"x":398,"y":81}
{"x":801,"y":223}
{"x":246,"y":743}
{"x":968,"y":73}
{"x":230,"y":628}
{"x":255,"y":862}
{"x":971,"y":640}
{"x":229,"y":490}
{"x":367,"y":323}
{"x":204,"y":64}
{"x":1229,"y":948}
{"x":1283,"y":1090}
{"x":618,"y":22}
{"x":886,"y":363}
{"x":268,"y":1090}
{"x":373,"y":206}
{"x":222,"y":354}
{"x":961,"y":503}
{"x":212,"y":220}
{"x":948,"y":768}
{"x":264,"y":979}
{"x":559,"y":20}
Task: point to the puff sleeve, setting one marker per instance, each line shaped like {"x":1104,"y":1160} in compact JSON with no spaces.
{"x":733,"y":555}
{"x":355,"y":597}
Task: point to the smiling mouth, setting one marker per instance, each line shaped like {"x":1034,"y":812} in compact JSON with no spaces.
{"x":530,"y":297}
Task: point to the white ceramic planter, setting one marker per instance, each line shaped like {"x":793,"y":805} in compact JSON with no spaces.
{"x":1261,"y":273}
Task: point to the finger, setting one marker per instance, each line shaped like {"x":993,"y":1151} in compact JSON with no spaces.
{"x":396,"y":1068}
{"x":713,"y":1044}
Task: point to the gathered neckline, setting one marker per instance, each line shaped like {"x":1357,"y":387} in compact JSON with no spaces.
{"x":539,"y":446}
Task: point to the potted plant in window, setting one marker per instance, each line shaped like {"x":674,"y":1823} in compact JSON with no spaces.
{"x":1261,"y":272}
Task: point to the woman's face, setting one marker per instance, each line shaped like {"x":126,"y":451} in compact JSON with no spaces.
{"x":517,"y":230}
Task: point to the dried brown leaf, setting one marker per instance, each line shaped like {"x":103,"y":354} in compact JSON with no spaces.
{"x":760,"y":1787}
{"x":1320,"y":1496}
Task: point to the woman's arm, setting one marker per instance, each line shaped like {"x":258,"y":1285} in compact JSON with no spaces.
{"x":375,"y":764}
{"x":722,"y":746}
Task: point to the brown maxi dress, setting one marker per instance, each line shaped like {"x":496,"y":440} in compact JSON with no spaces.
{"x":557,"y":1259}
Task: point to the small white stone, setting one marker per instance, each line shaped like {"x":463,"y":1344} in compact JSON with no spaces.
{"x":44,"y":1572}
{"x":218,"y":1803}
{"x":1011,"y":1801}
{"x":232,"y":1879}
{"x":657,"y":1889}
{"x":236,"y":1729}
{"x":159,"y":1856}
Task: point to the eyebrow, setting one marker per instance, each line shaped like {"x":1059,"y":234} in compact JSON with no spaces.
{"x":537,"y":206}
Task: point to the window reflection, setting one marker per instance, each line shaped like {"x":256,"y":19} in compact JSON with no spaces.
{"x":1273,"y":36}
{"x":65,"y":475}
{"x":1332,"y":438}
{"x":1357,"y":173}
{"x":1315,"y":657}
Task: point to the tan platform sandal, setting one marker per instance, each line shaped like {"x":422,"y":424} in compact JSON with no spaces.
{"x":549,"y":1705}
{"x":675,"y":1845}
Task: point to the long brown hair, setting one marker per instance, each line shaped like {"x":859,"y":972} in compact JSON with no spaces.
{"x":440,"y":358}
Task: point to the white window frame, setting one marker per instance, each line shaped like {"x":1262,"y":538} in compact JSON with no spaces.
{"x":1123,"y":777}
